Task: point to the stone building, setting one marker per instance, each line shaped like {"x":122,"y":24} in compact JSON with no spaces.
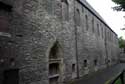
{"x":53,"y":41}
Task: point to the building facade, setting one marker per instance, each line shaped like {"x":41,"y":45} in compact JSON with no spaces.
{"x":53,"y":41}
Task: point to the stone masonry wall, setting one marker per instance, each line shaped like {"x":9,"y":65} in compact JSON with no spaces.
{"x":38,"y":25}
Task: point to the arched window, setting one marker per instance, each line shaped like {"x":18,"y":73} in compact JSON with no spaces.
{"x":87,"y":25}
{"x":93,"y":25}
{"x":65,"y":7}
{"x":102,"y":32}
{"x":77,"y":17}
{"x":55,"y":8}
{"x":54,"y":52}
{"x":98,"y":29}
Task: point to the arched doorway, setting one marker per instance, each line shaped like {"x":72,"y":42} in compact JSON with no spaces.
{"x":55,"y":64}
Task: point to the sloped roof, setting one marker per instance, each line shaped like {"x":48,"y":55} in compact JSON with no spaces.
{"x":94,"y":12}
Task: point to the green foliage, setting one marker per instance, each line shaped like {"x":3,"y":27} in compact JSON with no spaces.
{"x":119,"y":81}
{"x":121,"y":42}
{"x":120,"y":5}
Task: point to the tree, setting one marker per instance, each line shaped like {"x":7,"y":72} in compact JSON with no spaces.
{"x":121,"y":42}
{"x":120,"y":5}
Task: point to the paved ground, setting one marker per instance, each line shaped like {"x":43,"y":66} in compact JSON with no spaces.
{"x":102,"y":76}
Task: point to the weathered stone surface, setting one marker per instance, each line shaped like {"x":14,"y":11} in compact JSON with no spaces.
{"x":35,"y":29}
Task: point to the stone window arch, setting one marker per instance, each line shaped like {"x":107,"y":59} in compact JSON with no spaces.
{"x":93,"y":24}
{"x":98,"y":29}
{"x":87,"y":25}
{"x":102,"y":32}
{"x":65,"y":9}
{"x":77,"y":17}
{"x":54,"y":51}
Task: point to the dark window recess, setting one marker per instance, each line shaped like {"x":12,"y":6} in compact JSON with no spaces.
{"x":95,"y":62}
{"x":77,"y":17}
{"x":11,"y":76}
{"x":73,"y":67}
{"x":12,"y":59}
{"x":19,"y":35}
{"x":87,"y":25}
{"x":5,"y":7}
{"x":109,"y":61}
{"x":53,"y":69}
{"x":11,"y":41}
{"x":4,"y":24}
{"x":82,"y":9}
{"x":92,"y":24}
{"x":102,"y":33}
{"x":54,"y":80}
{"x":98,"y":29}
{"x":85,"y":63}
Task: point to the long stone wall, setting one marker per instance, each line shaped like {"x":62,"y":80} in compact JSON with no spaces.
{"x":58,"y":40}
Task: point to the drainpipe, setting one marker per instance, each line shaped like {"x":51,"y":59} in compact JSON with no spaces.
{"x":76,"y":45}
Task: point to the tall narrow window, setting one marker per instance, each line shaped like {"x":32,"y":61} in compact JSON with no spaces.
{"x":77,"y":17}
{"x":95,"y":62}
{"x":82,"y":9}
{"x":98,"y":29}
{"x":92,"y":24}
{"x":102,"y":32}
{"x":87,"y":25}
{"x":65,"y":7}
{"x":108,"y":35}
{"x":73,"y":67}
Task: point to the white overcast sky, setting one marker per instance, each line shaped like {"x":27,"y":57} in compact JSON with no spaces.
{"x":113,"y":18}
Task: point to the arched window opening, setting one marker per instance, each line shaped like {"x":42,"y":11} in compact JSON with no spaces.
{"x":77,"y":17}
{"x":93,"y":25}
{"x":65,"y":6}
{"x":87,"y":25}
{"x":102,"y":32}
{"x":98,"y":29}
{"x":54,"y":53}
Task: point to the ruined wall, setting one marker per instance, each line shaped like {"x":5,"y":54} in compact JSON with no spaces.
{"x":58,"y":34}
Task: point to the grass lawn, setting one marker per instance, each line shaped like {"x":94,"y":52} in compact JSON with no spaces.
{"x":118,"y":81}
